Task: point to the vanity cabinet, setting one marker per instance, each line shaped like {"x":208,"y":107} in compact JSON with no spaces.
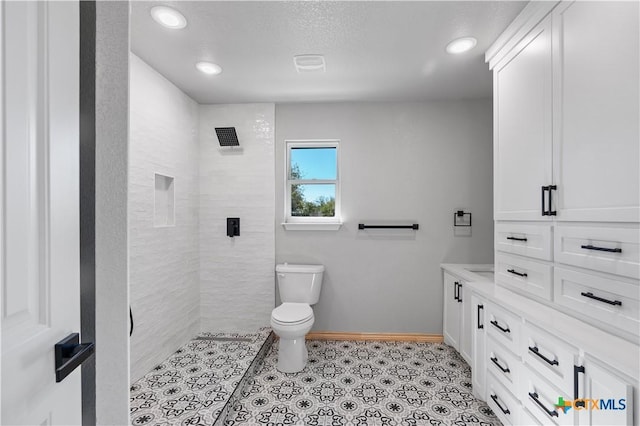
{"x":478,"y":339}
{"x":457,"y":316}
{"x":452,"y":311}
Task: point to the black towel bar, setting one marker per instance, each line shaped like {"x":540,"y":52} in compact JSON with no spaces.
{"x":414,"y":226}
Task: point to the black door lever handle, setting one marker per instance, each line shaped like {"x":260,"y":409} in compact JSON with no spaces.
{"x":69,"y":354}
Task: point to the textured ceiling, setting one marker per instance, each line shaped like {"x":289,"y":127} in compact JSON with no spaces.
{"x":374,"y":51}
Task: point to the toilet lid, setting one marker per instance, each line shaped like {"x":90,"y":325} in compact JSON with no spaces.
{"x":292,"y":312}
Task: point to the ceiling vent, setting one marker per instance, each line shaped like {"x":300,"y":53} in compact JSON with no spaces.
{"x":309,"y":63}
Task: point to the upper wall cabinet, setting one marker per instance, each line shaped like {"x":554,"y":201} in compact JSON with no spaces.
{"x":596,"y":131}
{"x":566,"y":140}
{"x":522,"y":114}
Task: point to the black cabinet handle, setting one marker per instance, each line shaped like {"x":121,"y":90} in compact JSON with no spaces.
{"x":576,"y":370}
{"x":69,"y":354}
{"x":495,"y":361}
{"x":535,"y":350}
{"x":516,"y":239}
{"x":600,"y":299}
{"x":496,"y":325}
{"x":520,"y":274}
{"x":551,"y":212}
{"x":495,"y":399}
{"x":534,"y":396}
{"x":544,"y":210}
{"x":480,"y":326}
{"x":459,"y":293}
{"x":610,"y":250}
{"x":455,"y":290}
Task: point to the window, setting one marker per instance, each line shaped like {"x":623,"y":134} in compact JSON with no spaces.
{"x":312,"y":187}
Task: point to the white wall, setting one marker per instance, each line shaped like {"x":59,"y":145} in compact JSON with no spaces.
{"x":399,"y":161}
{"x":164,"y":261}
{"x":237,"y":274}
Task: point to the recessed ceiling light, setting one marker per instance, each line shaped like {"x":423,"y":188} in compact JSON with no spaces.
{"x":209,"y":68}
{"x":168,"y":17}
{"x":461,"y":45}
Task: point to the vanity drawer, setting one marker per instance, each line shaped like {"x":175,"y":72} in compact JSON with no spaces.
{"x":607,"y":300}
{"x":502,"y":402}
{"x":612,"y":250}
{"x":549,"y":356}
{"x":540,"y":399}
{"x":503,"y":364}
{"x":526,"y":240}
{"x":504,"y":327}
{"x":523,"y":274}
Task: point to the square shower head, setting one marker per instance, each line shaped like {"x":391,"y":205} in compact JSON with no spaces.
{"x":227,"y":136}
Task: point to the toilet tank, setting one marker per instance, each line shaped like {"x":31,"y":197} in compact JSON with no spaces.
{"x":299,"y":283}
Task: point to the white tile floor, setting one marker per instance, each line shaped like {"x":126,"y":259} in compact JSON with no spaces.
{"x":344,"y":383}
{"x":364,"y":383}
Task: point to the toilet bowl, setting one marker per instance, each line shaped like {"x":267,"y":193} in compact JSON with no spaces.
{"x":291,"y":322}
{"x":299,"y":287}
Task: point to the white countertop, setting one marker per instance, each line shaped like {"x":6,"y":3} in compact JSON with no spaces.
{"x":616,"y":351}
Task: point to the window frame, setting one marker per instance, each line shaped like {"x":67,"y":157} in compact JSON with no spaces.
{"x":311,"y":143}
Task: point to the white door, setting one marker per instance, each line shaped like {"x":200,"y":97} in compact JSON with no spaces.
{"x":451,"y":321}
{"x":40,"y":233}
{"x":522,"y":140}
{"x":596,"y":148}
{"x":477,"y":344}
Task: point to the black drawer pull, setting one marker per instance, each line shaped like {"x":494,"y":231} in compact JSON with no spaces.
{"x":495,"y":399}
{"x":535,"y":350}
{"x":534,"y":396}
{"x":600,"y":299}
{"x":516,"y":239}
{"x":495,"y":361}
{"x":480,"y":326}
{"x":455,"y":290}
{"x":496,"y":325}
{"x":610,"y":250}
{"x":520,"y":274}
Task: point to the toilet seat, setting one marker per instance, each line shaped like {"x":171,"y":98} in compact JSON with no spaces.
{"x":292,"y":313}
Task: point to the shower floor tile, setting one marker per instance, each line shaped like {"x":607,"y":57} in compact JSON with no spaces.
{"x":364,"y":383}
{"x":194,"y":384}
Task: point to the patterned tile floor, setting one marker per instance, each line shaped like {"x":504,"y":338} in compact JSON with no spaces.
{"x":194,"y":384}
{"x":364,"y":383}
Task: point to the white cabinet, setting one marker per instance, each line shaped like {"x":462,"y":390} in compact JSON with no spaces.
{"x":596,"y":131}
{"x":457,"y":321}
{"x":615,"y":395}
{"x":522,"y":126}
{"x":452,"y":310}
{"x":566,"y":117}
{"x":466,"y":323}
{"x":478,"y":339}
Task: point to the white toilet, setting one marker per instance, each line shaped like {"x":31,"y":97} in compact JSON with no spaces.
{"x":299,"y":287}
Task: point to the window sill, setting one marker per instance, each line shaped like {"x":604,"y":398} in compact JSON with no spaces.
{"x":308,"y":226}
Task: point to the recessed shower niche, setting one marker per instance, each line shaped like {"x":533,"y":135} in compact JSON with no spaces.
{"x":164,"y":211}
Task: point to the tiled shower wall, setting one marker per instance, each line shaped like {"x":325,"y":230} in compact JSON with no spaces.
{"x":191,"y":277}
{"x":237,"y":274}
{"x":164,"y":261}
